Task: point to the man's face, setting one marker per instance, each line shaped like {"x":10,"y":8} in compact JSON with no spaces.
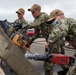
{"x":35,"y":13}
{"x":59,"y":17}
{"x":20,"y":15}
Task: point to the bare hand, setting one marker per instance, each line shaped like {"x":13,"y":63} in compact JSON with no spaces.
{"x":46,"y":45}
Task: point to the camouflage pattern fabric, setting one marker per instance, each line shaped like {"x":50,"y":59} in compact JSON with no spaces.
{"x":65,"y":28}
{"x":56,"y":48}
{"x":39,"y":23}
{"x":23,"y":22}
{"x":48,"y":68}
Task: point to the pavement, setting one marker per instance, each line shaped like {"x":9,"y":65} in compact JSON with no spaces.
{"x":38,"y":47}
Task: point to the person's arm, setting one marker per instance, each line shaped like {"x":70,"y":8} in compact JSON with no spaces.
{"x":36,"y":23}
{"x":24,"y":24}
{"x":58,"y":32}
{"x":15,"y":22}
{"x":39,"y":21}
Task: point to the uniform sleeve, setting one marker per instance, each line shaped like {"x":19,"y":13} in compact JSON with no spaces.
{"x":24,"y":24}
{"x":15,"y":22}
{"x":39,"y":21}
{"x":35,"y":23}
{"x":59,"y":31}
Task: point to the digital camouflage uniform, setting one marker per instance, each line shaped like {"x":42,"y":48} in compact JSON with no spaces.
{"x":55,"y":48}
{"x":65,"y":28}
{"x":39,"y":23}
{"x":23,"y":22}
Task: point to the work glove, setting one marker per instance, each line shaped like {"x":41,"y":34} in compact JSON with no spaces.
{"x":63,"y":72}
{"x":27,"y":45}
{"x":17,"y":27}
{"x":30,"y":41}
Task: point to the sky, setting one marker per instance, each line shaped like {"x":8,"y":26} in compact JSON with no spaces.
{"x":9,"y":7}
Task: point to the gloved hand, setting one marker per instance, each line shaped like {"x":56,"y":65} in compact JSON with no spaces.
{"x":18,"y":26}
{"x":27,"y":45}
{"x":30,"y":41}
{"x":63,"y":72}
{"x":46,"y":45}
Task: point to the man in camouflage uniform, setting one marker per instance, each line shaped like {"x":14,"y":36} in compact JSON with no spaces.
{"x":20,"y":23}
{"x":65,"y":27}
{"x":56,"y":48}
{"x":39,"y":22}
